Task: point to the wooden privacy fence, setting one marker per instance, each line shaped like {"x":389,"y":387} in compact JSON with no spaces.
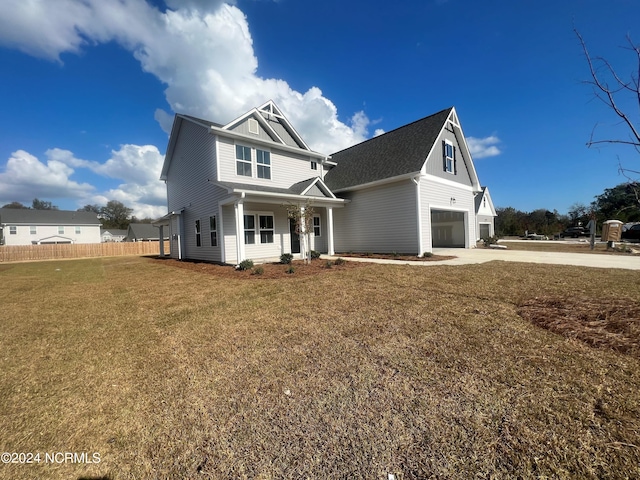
{"x":17,"y":253}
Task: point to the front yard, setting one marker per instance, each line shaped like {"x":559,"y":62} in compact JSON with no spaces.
{"x":423,"y":372}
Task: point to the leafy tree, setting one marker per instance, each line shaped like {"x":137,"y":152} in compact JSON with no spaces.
{"x":90,"y":208}
{"x":38,"y":204}
{"x":618,"y":203}
{"x":579,"y":214}
{"x":15,"y":205}
{"x":115,"y":215}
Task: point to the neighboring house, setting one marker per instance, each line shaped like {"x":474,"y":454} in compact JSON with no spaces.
{"x":23,"y":226}
{"x":228,"y":187}
{"x":143,"y":232}
{"x":112,"y":235}
{"x":485,"y":214}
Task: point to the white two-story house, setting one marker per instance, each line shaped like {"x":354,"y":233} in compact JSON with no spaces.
{"x":25,"y":226}
{"x":228,"y":188}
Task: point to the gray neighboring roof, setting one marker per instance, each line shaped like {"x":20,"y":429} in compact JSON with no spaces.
{"x":143,"y":231}
{"x":47,"y":217}
{"x":398,"y":152}
{"x":113,"y":231}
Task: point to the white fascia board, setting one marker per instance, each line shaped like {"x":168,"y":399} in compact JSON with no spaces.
{"x":432,"y":178}
{"x":458,"y":129}
{"x":322,"y":187}
{"x":289,"y":196}
{"x":259,"y":141}
{"x":384,"y":181}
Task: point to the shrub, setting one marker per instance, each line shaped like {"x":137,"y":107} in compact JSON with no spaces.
{"x":314,"y":254}
{"x":340,"y":261}
{"x":395,"y":254}
{"x":329,"y":264}
{"x":427,"y":254}
{"x":291,"y":269}
{"x":245,"y":265}
{"x":490,"y":240}
{"x":286,"y":258}
{"x":257,"y":271}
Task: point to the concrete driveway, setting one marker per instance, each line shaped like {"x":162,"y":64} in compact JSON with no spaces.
{"x":481,"y":255}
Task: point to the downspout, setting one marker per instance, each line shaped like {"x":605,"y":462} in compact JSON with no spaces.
{"x":416,"y":180}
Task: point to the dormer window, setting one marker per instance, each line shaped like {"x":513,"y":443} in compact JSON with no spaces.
{"x":449,"y":156}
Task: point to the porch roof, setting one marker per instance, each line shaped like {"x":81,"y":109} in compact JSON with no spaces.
{"x":297,"y":191}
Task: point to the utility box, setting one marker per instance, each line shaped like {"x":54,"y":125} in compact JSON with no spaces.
{"x":611,"y":231}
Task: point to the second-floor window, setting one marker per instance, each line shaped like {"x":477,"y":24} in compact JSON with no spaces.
{"x":263,"y":160}
{"x":13,"y":230}
{"x":60,"y":230}
{"x":243,"y":160}
{"x":33,"y":230}
{"x":449,"y":158}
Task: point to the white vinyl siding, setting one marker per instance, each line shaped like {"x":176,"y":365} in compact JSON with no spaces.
{"x":286,"y":168}
{"x":378,"y":220}
{"x":193,"y":164}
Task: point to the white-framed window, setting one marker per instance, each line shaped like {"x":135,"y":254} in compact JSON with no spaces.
{"x":78,"y":230}
{"x":266,"y":228}
{"x":33,"y":230}
{"x":13,"y":230}
{"x":316,"y":226}
{"x":60,"y":230}
{"x":243,"y":160}
{"x":449,"y":157}
{"x":249,"y":229}
{"x":213,"y":231}
{"x":198,"y":237}
{"x":263,"y":159}
{"x":314,"y":165}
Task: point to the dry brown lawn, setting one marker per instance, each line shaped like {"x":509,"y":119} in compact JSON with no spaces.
{"x":423,"y":372}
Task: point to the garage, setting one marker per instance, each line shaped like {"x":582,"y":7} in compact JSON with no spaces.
{"x":448,"y":229}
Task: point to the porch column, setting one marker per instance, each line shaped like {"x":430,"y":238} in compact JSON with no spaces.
{"x":330,"y":247}
{"x":239,"y":210}
{"x":161,"y":240}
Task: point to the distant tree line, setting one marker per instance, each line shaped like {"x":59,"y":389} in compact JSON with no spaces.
{"x":617,"y":203}
{"x":112,"y":215}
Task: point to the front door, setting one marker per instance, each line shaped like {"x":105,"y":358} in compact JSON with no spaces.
{"x":295,"y":238}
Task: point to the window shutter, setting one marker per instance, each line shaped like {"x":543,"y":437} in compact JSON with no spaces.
{"x":444,"y":155}
{"x":455,"y":162}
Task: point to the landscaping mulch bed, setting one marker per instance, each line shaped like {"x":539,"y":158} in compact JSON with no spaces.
{"x":401,"y":257}
{"x":269,"y":270}
{"x":612,"y":323}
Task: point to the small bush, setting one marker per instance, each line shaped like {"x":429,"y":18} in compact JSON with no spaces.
{"x":257,"y":271}
{"x":340,"y":261}
{"x":395,"y":254}
{"x":329,"y":264}
{"x":291,"y":269}
{"x":286,"y":258}
{"x":490,"y":240}
{"x":314,"y":254}
{"x":245,"y":265}
{"x":427,"y":254}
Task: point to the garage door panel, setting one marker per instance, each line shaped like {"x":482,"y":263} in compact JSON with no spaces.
{"x":447,"y":229}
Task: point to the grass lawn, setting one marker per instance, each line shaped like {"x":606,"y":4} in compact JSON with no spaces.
{"x":423,"y":372}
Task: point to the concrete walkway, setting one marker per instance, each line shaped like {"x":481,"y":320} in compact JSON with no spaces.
{"x":480,"y":255}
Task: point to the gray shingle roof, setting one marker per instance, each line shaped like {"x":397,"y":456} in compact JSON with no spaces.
{"x":201,"y":120}
{"x":47,"y":217}
{"x":398,"y":152}
{"x":142,"y":231}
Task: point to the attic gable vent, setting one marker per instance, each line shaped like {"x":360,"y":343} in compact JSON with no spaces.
{"x":253,"y":126}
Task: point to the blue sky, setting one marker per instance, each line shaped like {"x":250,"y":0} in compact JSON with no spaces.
{"x":88,"y":88}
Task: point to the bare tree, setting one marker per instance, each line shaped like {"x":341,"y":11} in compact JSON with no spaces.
{"x":614,"y":91}
{"x":302,"y":215}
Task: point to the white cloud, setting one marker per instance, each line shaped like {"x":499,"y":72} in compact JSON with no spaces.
{"x":138,"y":167}
{"x":484,"y":147}
{"x":202,"y":50}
